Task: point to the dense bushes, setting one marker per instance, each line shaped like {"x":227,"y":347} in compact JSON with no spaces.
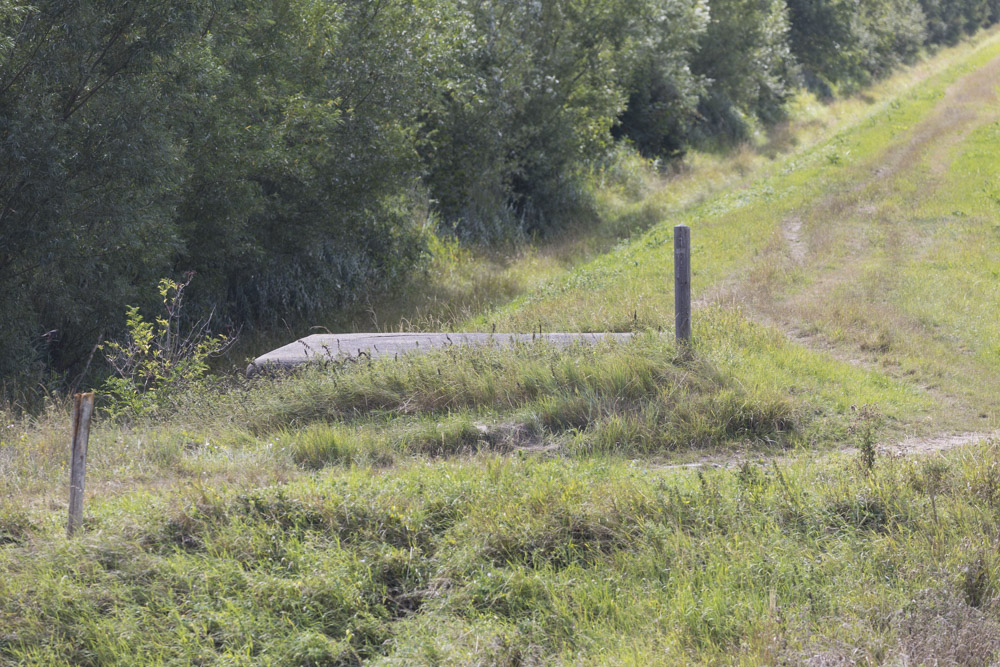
{"x":530,"y":98}
{"x":745,"y":55}
{"x":663,"y":91}
{"x":949,"y":20}
{"x":849,"y":43}
{"x":297,"y":122}
{"x":88,"y":170}
{"x":297,"y":153}
{"x":267,"y":146}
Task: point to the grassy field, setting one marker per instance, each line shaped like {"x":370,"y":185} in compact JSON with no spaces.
{"x":619,"y":504}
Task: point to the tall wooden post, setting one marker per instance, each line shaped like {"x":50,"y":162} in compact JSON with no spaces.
{"x":682,"y":283}
{"x":83,"y":408}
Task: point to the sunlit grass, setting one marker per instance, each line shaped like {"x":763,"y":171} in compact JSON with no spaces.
{"x":499,"y":559}
{"x":528,"y":505}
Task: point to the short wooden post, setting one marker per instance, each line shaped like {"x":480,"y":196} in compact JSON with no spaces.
{"x":682,"y":283}
{"x":83,"y":408}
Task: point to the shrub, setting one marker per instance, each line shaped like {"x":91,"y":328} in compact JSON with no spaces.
{"x":949,"y":20}
{"x":865,"y":427}
{"x":846,"y":43}
{"x":525,"y":102}
{"x":744,"y":53}
{"x":89,"y":171}
{"x":269,"y":146}
{"x":663,"y":91}
{"x":158,"y":358}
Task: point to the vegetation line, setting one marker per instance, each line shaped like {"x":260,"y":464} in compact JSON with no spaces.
{"x":529,"y":504}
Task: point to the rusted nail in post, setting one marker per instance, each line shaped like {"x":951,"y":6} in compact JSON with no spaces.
{"x":682,"y":283}
{"x":83,"y":409}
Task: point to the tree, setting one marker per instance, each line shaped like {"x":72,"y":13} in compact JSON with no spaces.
{"x":302,"y":198}
{"x":949,"y":20}
{"x":268,"y":145}
{"x":746,"y":58}
{"x":843,"y":42}
{"x":523,"y":106}
{"x":88,"y":168}
{"x":663,"y":91}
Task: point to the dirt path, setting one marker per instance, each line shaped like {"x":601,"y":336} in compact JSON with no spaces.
{"x":791,"y":229}
{"x":916,"y":446}
{"x":932,"y":445}
{"x":967,"y":104}
{"x":826,"y":246}
{"x":830,"y":239}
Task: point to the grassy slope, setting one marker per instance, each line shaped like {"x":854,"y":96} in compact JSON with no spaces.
{"x":513,"y":507}
{"x":839,"y":243}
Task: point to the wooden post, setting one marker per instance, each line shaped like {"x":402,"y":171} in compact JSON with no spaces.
{"x":682,"y":283}
{"x":83,"y":408}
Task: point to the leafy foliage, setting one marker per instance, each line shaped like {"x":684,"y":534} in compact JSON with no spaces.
{"x":530,"y":97}
{"x":850,"y":43}
{"x":88,"y":169}
{"x":949,"y":20}
{"x":299,"y":154}
{"x":158,"y":358}
{"x":299,"y":200}
{"x":746,"y":56}
{"x":663,"y":91}
{"x":865,"y":426}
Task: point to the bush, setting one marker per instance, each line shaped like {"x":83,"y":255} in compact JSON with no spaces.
{"x":158,"y":358}
{"x":949,"y":20}
{"x":304,"y":200}
{"x":268,"y":146}
{"x":847,"y":43}
{"x":526,"y":102}
{"x":663,"y":91}
{"x":89,"y":171}
{"x":744,"y":54}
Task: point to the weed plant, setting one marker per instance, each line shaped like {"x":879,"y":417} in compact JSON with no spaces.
{"x":865,"y":428}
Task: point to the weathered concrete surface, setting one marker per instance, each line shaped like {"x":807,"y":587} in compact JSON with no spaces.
{"x":340,"y":347}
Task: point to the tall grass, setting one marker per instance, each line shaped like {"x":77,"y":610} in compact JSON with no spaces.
{"x":505,"y":559}
{"x":522,"y":505}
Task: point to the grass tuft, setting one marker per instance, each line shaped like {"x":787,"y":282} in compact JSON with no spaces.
{"x":15,"y":525}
